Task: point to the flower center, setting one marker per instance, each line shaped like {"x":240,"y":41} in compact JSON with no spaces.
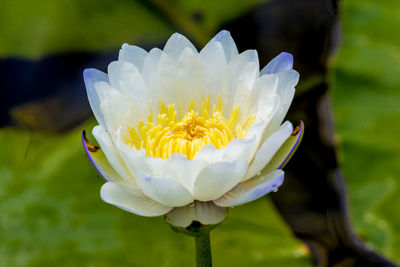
{"x":191,"y":133}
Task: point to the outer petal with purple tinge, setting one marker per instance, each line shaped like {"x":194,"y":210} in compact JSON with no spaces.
{"x":251,"y":189}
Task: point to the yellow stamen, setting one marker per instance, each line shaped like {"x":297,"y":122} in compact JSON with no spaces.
{"x":191,"y":105}
{"x":191,"y":133}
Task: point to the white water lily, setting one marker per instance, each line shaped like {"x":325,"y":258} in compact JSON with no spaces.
{"x":187,"y":133}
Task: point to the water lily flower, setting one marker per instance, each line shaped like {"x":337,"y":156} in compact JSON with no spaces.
{"x":188,"y":134}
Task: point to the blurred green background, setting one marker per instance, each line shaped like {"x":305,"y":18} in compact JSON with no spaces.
{"x":51,"y":213}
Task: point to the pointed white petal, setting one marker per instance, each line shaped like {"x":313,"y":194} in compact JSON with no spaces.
{"x":187,"y":82}
{"x":238,"y":148}
{"x":132,"y":54}
{"x":165,"y":191}
{"x":209,"y":153}
{"x":125,"y":77}
{"x":234,"y":69}
{"x":244,"y":88}
{"x":185,"y":171}
{"x":286,"y":90}
{"x":266,"y":101}
{"x":150,"y":67}
{"x":265,"y":86}
{"x":176,"y":167}
{"x":215,"y":70}
{"x":217,"y":178}
{"x":225,"y":38}
{"x":117,"y":195}
{"x":251,"y":189}
{"x":282,"y":62}
{"x":207,"y":213}
{"x":115,"y":108}
{"x":268,"y":149}
{"x":91,"y":77}
{"x":134,"y":160}
{"x":176,"y":44}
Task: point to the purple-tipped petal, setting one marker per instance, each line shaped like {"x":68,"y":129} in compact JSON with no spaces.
{"x":95,"y":154}
{"x":91,"y":77}
{"x":251,"y":189}
{"x":225,"y":38}
{"x":282,"y":62}
{"x":287,"y":150}
{"x":294,"y":139}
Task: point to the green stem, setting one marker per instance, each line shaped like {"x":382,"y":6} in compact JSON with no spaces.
{"x":203,"y":249}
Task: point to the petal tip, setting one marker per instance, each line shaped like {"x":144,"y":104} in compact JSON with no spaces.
{"x":221,"y":34}
{"x":287,"y":56}
{"x":88,"y":73}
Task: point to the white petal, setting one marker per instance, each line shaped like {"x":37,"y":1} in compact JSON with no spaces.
{"x":91,"y":77}
{"x":265,"y":86}
{"x":209,"y":153}
{"x":215,"y":70}
{"x":113,"y":157}
{"x":125,"y":77}
{"x":117,"y":195}
{"x":188,"y":82}
{"x":115,"y":108}
{"x":185,"y":171}
{"x":238,"y":148}
{"x":176,"y":167}
{"x":282,"y":62}
{"x":251,"y":189}
{"x":134,"y":160}
{"x":234,"y":70}
{"x":176,"y":44}
{"x":150,"y":68}
{"x":218,"y":178}
{"x":207,"y":213}
{"x":225,"y":38}
{"x":244,"y":87}
{"x":268,"y":149}
{"x":267,"y":101}
{"x":165,"y":191}
{"x":267,"y":106}
{"x":132,"y":54}
{"x":240,"y":64}
{"x":286,"y":90}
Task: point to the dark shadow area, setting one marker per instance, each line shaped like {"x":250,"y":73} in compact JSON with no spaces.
{"x":313,"y":198}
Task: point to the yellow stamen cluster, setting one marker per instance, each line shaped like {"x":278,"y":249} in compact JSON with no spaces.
{"x":187,"y":136}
